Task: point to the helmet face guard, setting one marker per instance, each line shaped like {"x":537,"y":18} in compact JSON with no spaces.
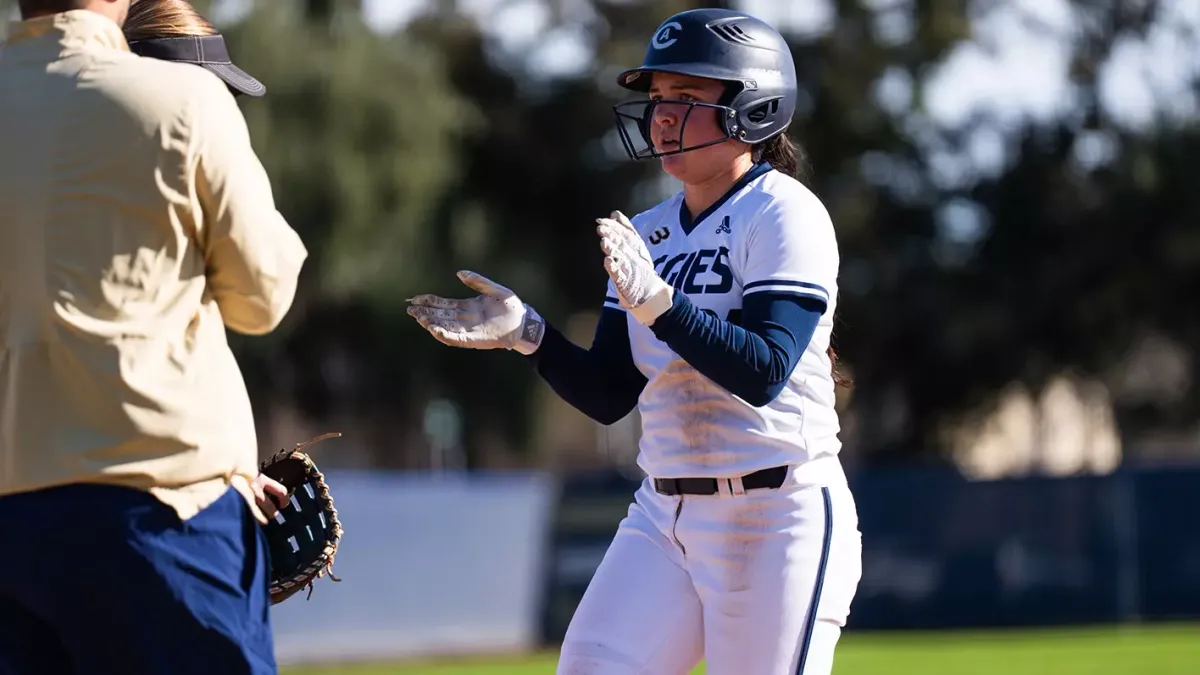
{"x":634,"y":119}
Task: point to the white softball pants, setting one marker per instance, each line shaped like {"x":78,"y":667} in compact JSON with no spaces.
{"x":755,"y":584}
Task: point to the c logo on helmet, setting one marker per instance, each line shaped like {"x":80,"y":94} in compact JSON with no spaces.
{"x":663,"y":39}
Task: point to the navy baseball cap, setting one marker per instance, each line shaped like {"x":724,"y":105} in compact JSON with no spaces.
{"x":208,"y":52}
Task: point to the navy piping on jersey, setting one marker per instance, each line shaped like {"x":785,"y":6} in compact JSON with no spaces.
{"x":687,"y":223}
{"x":753,"y":351}
{"x":810,"y":623}
{"x":784,"y":282}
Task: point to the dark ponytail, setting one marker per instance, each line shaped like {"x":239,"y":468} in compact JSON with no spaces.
{"x":839,"y":380}
{"x":784,"y":156}
{"x":788,"y":158}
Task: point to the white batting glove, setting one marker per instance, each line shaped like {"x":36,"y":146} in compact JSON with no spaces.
{"x":494,"y":319}
{"x":628,"y":263}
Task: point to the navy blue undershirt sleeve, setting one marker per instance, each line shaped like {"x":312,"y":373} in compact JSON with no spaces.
{"x":601,"y":382}
{"x":751,"y":355}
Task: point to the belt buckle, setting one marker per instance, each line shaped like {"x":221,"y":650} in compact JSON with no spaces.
{"x":737,"y":487}
{"x":730,"y":487}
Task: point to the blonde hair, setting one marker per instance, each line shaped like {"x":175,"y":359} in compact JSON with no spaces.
{"x":149,"y":19}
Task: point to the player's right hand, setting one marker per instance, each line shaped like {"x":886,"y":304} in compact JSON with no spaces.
{"x":494,"y":319}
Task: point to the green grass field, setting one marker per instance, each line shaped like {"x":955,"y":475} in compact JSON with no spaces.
{"x":1134,"y":650}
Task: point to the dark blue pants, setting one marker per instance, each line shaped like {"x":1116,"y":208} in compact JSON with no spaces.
{"x":101,"y":580}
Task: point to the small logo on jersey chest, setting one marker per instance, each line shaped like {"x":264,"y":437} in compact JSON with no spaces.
{"x":723,"y":228}
{"x":657,"y":236}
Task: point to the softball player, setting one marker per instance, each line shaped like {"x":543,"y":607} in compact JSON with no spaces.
{"x":741,"y":546}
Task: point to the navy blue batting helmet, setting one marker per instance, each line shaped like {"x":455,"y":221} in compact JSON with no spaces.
{"x":747,"y":54}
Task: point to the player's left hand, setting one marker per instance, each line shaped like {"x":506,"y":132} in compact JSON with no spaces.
{"x":628,"y":263}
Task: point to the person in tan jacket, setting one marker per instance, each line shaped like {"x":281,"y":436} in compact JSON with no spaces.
{"x":136,"y":225}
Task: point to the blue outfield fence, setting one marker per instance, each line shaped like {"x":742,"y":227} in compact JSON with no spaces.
{"x":940,"y":551}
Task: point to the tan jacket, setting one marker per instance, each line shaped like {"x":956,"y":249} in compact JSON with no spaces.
{"x":136,"y":223}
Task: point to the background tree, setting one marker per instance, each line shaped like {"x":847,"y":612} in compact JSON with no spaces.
{"x":983,"y":243}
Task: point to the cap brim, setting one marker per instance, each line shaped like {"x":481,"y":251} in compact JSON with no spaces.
{"x":237,"y":79}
